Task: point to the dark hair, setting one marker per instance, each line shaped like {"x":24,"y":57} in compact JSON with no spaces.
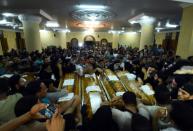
{"x":25,"y":104}
{"x":47,"y":82}
{"x":33,"y":87}
{"x":129,"y":98}
{"x":182,"y":115}
{"x":4,"y":86}
{"x":162,"y":95}
{"x":188,"y":87}
{"x":44,"y":74}
{"x":68,"y":68}
{"x":180,"y":80}
{"x":140,"y":123}
{"x":13,"y":81}
{"x":102,"y":120}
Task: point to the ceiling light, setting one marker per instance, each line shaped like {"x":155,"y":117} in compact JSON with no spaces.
{"x":187,"y":1}
{"x":145,"y":17}
{"x":66,"y":30}
{"x":159,"y":24}
{"x":9,"y":24}
{"x":21,"y":28}
{"x":133,"y":22}
{"x":4,"y":22}
{"x":116,"y":31}
{"x":6,"y":14}
{"x":91,"y":7}
{"x":171,"y":25}
{"x":80,"y":44}
{"x":111,"y":31}
{"x":91,"y":24}
{"x":132,"y":33}
{"x":89,"y":31}
{"x":52,"y":24}
{"x":43,"y":30}
{"x":159,"y":28}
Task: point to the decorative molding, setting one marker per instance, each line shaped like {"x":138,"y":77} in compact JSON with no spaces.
{"x":88,"y":14}
{"x":30,"y":18}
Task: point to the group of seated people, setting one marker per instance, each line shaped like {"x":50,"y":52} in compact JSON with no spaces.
{"x":29,"y":90}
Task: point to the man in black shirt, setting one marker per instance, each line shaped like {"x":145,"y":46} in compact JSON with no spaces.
{"x":186,"y":93}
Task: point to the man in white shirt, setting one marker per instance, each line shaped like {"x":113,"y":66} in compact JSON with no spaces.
{"x":7,"y":103}
{"x":124,"y":118}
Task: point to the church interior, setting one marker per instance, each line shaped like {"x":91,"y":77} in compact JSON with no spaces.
{"x":96,"y":65}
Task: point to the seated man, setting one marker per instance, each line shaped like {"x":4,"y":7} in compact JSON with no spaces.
{"x":163,"y":99}
{"x":185,"y":93}
{"x":38,"y":88}
{"x":182,"y":116}
{"x":19,"y":121}
{"x":23,"y":106}
{"x":7,"y":102}
{"x":17,"y":84}
{"x":72,"y":115}
{"x":56,"y":123}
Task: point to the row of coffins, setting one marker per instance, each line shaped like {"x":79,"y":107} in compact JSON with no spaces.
{"x":94,"y":89}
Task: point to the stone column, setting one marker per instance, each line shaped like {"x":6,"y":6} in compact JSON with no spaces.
{"x":185,"y":43}
{"x":147,"y":33}
{"x":31,"y":32}
{"x":62,"y":39}
{"x":115,"y":40}
{"x":1,"y":51}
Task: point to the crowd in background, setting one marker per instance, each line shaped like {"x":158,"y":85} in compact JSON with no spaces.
{"x":21,"y":100}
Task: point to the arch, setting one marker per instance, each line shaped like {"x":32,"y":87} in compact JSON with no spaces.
{"x":74,"y":42}
{"x":89,"y":42}
{"x":89,"y":38}
{"x":104,"y":41}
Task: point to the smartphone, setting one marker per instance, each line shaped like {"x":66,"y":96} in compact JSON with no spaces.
{"x":49,"y":111}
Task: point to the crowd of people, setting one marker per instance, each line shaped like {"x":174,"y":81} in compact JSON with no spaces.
{"x":23,"y":103}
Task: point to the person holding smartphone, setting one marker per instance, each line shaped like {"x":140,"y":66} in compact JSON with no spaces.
{"x":56,"y":123}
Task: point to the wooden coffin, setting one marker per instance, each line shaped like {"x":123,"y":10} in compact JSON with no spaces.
{"x":134,"y":86}
{"x":112,"y":85}
{"x":92,"y":94}
{"x":71,"y":83}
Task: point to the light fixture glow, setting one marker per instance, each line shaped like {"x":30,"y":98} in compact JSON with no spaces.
{"x":91,"y":23}
{"x":43,"y":30}
{"x":159,"y":24}
{"x":89,"y":31}
{"x":159,"y":28}
{"x":52,"y":24}
{"x":133,"y":22}
{"x":80,"y":44}
{"x":116,"y":31}
{"x":4,"y":22}
{"x":92,"y":7}
{"x":132,"y":33}
{"x":21,"y":28}
{"x":171,"y":25}
{"x":6,"y":14}
{"x":145,"y":17}
{"x":66,"y":30}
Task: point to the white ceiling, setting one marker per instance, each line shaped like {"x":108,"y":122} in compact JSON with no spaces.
{"x":61,"y":10}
